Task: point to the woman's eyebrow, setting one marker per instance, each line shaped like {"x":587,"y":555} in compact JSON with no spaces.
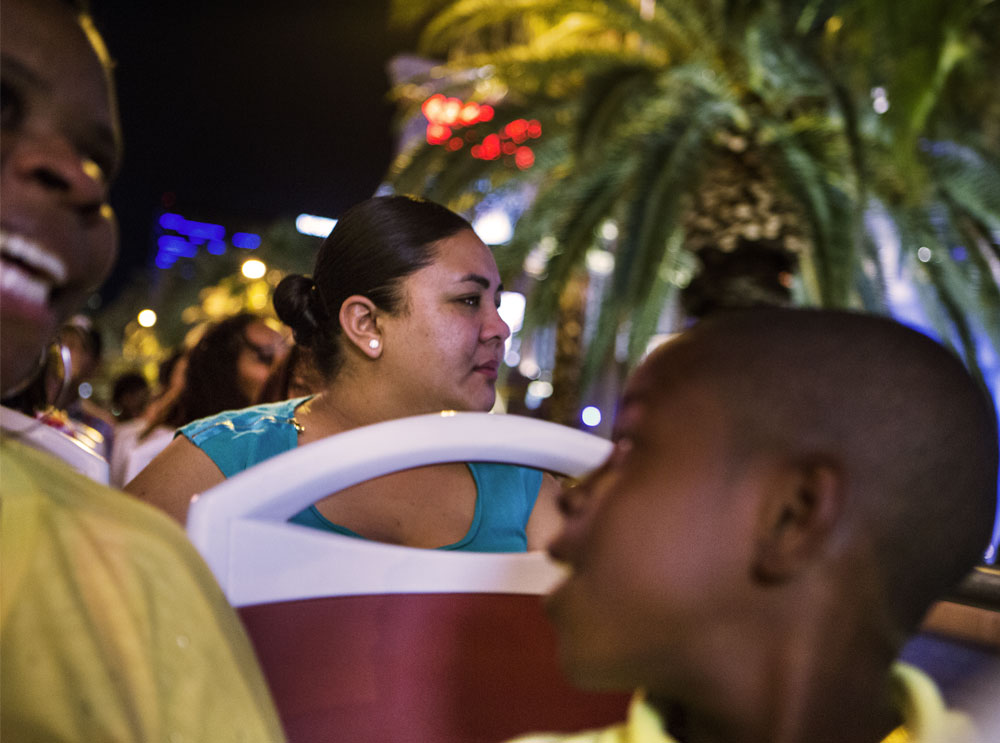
{"x":478,"y":279}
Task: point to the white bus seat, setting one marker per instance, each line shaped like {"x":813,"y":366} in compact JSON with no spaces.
{"x":364,"y":641}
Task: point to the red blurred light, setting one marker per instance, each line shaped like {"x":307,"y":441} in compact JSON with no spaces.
{"x":437,"y":133}
{"x":455,"y":143}
{"x":450,"y":111}
{"x":469,"y":113}
{"x":524,"y":158}
{"x":509,"y":148}
{"x":534,"y":129}
{"x":517,"y":130}
{"x":490,"y":147}
{"x":485,"y":113}
{"x":431,"y":108}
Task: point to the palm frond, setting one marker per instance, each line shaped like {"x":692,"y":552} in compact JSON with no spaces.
{"x":827,"y":268}
{"x":847,"y":106}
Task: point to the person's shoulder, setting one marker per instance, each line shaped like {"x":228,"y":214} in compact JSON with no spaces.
{"x":133,"y":590}
{"x":245,"y":420}
{"x":643,"y":724}
{"x":926,"y":716}
{"x":48,"y":506}
{"x":43,"y":491}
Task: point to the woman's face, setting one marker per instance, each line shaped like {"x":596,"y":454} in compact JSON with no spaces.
{"x":444,"y":347}
{"x":60,"y":145}
{"x":261,"y":346}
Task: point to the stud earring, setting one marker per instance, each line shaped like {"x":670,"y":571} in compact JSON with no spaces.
{"x":373,"y":343}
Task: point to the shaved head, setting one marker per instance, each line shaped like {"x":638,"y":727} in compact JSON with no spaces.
{"x":911,"y":433}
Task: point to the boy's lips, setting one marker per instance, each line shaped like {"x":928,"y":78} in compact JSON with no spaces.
{"x":42,"y":264}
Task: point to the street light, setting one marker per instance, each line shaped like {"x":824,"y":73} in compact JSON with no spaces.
{"x":254,"y":269}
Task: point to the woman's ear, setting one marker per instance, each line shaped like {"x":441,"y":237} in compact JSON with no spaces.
{"x":358,"y":321}
{"x":799,"y":513}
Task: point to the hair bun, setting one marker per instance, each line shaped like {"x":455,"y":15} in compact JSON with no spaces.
{"x":298,"y":305}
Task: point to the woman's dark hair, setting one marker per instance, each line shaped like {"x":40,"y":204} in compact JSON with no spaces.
{"x":210,"y":378}
{"x":375,"y":245}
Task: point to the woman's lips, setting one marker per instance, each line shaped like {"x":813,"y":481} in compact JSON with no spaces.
{"x":489,"y":369}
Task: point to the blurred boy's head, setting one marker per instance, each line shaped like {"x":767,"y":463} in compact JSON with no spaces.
{"x":772,"y":467}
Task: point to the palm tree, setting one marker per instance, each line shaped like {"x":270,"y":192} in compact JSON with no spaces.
{"x":753,"y":152}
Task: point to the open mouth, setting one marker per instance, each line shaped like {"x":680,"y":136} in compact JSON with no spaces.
{"x":29,"y":271}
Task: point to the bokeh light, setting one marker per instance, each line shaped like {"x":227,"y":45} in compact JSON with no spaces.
{"x":254,"y":269}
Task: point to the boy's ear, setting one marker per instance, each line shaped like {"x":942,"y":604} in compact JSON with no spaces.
{"x":358,"y":321}
{"x":799,"y":512}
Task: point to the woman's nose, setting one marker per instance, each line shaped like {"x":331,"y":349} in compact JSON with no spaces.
{"x":496,"y":327}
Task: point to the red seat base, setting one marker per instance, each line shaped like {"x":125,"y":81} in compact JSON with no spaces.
{"x":427,"y":668}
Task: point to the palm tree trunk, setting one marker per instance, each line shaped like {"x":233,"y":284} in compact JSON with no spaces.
{"x":744,"y":231}
{"x":564,"y":404}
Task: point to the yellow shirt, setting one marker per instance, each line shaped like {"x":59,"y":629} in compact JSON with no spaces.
{"x":925,"y":718}
{"x":111,"y":626}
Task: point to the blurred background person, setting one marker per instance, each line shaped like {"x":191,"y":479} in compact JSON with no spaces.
{"x":293,"y":375}
{"x":225,"y":370}
{"x":130,"y":434}
{"x":130,"y":396}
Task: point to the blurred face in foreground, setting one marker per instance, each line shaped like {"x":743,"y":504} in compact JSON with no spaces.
{"x":60,"y":146}
{"x":656,"y":540}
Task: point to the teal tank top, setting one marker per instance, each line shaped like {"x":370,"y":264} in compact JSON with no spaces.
{"x":237,"y":439}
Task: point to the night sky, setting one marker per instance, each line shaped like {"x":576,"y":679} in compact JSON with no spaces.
{"x":246,"y":111}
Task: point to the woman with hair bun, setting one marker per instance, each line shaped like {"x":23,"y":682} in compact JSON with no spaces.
{"x":400,"y":318}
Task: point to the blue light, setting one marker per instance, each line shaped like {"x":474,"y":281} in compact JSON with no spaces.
{"x":173,"y":222}
{"x":206,"y":231}
{"x":246,"y":240}
{"x":176,"y":246}
{"x":191,"y":234}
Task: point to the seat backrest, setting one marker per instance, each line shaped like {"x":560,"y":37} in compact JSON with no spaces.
{"x":240,"y":526}
{"x":363,"y":641}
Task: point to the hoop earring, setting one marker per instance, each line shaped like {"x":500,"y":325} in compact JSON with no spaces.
{"x":63,"y":393}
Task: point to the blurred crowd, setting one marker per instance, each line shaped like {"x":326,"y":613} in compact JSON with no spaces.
{"x":232,"y":363}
